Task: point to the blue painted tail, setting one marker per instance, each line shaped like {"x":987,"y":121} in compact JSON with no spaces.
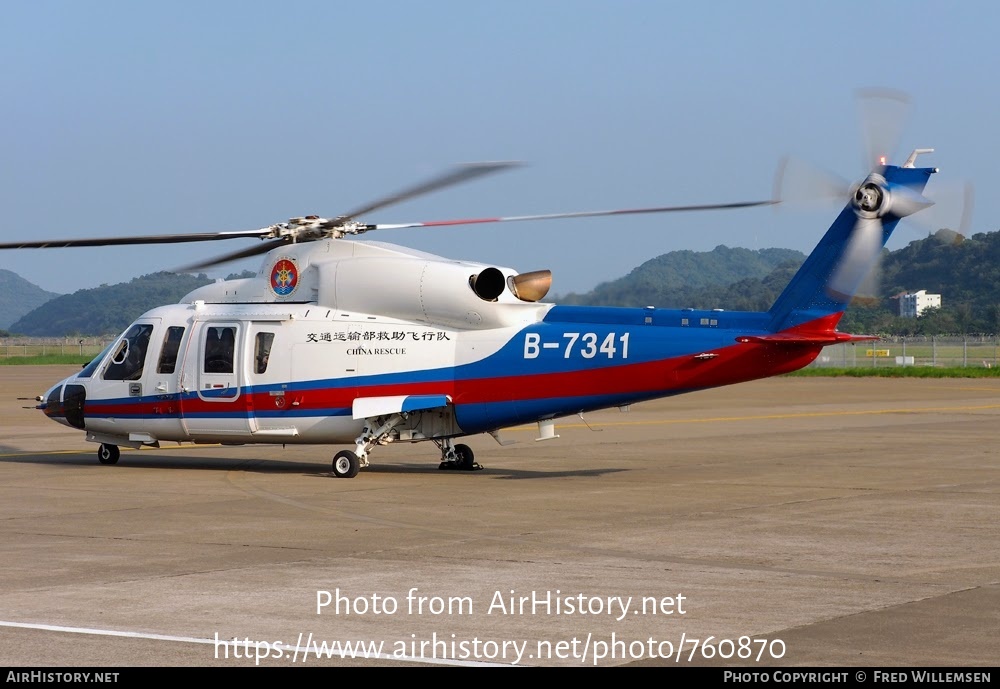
{"x":825,"y":284}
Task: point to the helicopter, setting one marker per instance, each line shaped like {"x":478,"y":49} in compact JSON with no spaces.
{"x":338,"y":340}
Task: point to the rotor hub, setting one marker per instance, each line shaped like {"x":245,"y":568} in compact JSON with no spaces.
{"x":870,"y":197}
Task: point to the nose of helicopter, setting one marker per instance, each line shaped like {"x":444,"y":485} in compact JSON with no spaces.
{"x":64,"y":403}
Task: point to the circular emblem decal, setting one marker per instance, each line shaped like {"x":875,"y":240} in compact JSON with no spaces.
{"x":284,"y":277}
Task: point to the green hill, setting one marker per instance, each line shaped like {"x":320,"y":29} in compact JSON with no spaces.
{"x":19,"y":297}
{"x":964,"y":270}
{"x":682,"y":279}
{"x":109,"y":308}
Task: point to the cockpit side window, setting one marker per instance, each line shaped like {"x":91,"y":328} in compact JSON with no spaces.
{"x":129,"y":356}
{"x":262,"y":351}
{"x":171,"y":346}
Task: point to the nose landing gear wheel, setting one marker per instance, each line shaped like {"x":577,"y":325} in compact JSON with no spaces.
{"x":108,"y":454}
{"x":346,"y":464}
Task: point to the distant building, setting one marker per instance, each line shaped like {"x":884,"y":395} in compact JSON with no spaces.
{"x":897,"y":306}
{"x":913,"y":304}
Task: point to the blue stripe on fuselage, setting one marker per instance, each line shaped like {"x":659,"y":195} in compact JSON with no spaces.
{"x":576,"y":335}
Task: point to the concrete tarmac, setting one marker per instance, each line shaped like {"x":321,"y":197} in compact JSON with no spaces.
{"x":783,"y":523}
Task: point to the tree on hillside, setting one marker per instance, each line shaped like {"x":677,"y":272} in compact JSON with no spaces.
{"x":107,"y":310}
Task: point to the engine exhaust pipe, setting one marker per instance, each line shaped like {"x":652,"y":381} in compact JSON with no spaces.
{"x":488,"y":285}
{"x":531,"y":286}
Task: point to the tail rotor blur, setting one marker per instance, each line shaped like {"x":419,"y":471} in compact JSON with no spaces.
{"x":798,"y":182}
{"x":883,"y":114}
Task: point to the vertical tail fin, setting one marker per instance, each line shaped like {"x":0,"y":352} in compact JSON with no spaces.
{"x":820,"y":291}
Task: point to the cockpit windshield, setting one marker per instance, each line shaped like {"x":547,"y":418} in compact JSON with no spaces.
{"x":130,"y":354}
{"x":89,"y":369}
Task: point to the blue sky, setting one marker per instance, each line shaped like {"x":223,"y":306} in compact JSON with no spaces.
{"x":126,"y":118}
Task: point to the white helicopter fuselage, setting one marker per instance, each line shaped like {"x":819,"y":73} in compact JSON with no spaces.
{"x":256,"y":360}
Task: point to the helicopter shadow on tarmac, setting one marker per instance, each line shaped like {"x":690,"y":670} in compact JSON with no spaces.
{"x":152,"y":460}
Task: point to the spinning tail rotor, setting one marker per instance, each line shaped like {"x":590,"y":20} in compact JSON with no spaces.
{"x":876,"y":200}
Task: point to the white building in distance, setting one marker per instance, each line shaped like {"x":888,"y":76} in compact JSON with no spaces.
{"x":913,"y":304}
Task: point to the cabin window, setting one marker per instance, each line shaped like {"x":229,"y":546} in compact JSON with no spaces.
{"x":220,"y":347}
{"x":171,"y":346}
{"x":262,"y":351}
{"x":130,"y":354}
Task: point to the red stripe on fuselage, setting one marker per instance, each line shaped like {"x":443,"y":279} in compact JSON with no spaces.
{"x":734,"y":364}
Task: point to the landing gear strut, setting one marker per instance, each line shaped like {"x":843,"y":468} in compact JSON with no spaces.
{"x":346,"y":464}
{"x":381,"y":430}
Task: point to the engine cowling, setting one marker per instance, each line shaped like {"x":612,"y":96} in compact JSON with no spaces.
{"x":453,"y":293}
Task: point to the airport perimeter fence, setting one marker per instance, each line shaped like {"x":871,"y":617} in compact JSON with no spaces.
{"x":941,"y":351}
{"x":45,"y":346}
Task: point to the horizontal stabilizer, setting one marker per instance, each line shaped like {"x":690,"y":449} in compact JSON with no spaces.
{"x":370,"y":407}
{"x":805,"y":339}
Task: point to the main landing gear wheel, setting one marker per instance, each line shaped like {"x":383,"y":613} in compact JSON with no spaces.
{"x":108,"y":454}
{"x":346,"y":464}
{"x":465,"y":460}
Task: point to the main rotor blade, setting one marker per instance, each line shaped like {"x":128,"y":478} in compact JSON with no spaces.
{"x":583,"y":214}
{"x":462,"y":173}
{"x":148,"y":239}
{"x":262,"y":248}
